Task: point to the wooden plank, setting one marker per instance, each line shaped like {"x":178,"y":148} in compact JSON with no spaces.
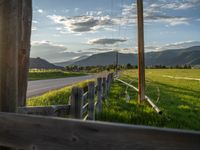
{"x":99,"y":95}
{"x":104,"y":85}
{"x":25,"y":19}
{"x":60,"y":110}
{"x":108,"y":82}
{"x":9,"y":24}
{"x":76,"y":103}
{"x":48,"y":133}
{"x":91,"y":95}
{"x":141,"y":61}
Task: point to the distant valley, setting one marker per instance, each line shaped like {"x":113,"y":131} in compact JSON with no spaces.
{"x":188,"y":56}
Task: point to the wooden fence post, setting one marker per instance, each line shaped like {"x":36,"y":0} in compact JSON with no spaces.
{"x":108,"y":82}
{"x":25,"y":20}
{"x":99,"y":95}
{"x":9,"y":11}
{"x":104,"y":88}
{"x":91,"y":94}
{"x":76,"y":103}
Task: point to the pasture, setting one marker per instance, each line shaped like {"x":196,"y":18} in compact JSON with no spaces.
{"x":175,"y":91}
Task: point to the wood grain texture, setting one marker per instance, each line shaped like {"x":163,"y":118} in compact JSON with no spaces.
{"x":141,"y":60}
{"x":99,"y":95}
{"x":76,"y":110}
{"x":47,"y":133}
{"x":9,"y":25}
{"x":104,"y":86}
{"x":59,"y":110}
{"x":25,"y":22}
{"x":91,"y":95}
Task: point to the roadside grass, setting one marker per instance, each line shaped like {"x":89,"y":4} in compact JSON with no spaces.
{"x":55,"y":97}
{"x":178,"y":99}
{"x":52,"y":74}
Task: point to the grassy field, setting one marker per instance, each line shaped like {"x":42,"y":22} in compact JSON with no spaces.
{"x":55,"y":97}
{"x":51,"y":74}
{"x":179,"y":99}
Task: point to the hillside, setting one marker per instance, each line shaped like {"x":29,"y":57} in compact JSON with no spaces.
{"x":38,"y":63}
{"x":189,"y":56}
{"x":70,"y":62}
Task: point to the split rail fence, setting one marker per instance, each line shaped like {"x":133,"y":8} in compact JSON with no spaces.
{"x":83,"y":105}
{"x":36,"y":132}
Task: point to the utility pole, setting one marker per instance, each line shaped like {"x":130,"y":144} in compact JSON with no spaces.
{"x":141,"y":61}
{"x":117,"y":61}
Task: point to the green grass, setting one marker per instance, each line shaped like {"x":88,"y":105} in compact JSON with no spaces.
{"x":55,"y":97}
{"x":51,"y":74}
{"x":178,"y":99}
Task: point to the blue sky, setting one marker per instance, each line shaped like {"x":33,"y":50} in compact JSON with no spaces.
{"x":67,"y":29}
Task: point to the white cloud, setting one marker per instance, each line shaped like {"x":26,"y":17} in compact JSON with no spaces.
{"x":176,"y":45}
{"x":34,"y":28}
{"x":154,"y":11}
{"x":106,"y":41}
{"x":178,"y":5}
{"x":35,"y":22}
{"x":179,"y":45}
{"x":81,"y":24}
{"x":53,"y":52}
{"x":40,"y":11}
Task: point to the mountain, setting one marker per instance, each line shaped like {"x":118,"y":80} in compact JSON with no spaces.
{"x":189,"y":56}
{"x":70,"y":62}
{"x":38,"y":63}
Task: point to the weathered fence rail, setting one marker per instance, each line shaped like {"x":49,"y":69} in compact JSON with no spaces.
{"x":49,"y":133}
{"x":29,"y":132}
{"x":82,"y":105}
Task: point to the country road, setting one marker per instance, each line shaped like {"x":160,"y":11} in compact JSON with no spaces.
{"x":39,"y":87}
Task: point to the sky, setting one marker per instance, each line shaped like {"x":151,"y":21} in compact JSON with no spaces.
{"x":67,"y":29}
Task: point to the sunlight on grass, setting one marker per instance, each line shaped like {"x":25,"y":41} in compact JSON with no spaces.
{"x":55,"y":97}
{"x":178,"y":99}
{"x":52,"y":74}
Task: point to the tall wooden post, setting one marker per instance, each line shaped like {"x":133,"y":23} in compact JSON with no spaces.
{"x":116,"y":65}
{"x":9,"y":33}
{"x":141,"y":61}
{"x":25,"y":18}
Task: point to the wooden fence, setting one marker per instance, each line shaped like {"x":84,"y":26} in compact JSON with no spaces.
{"x":28,"y":132}
{"x":83,"y":105}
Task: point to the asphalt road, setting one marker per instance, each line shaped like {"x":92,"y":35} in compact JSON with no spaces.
{"x":39,"y":87}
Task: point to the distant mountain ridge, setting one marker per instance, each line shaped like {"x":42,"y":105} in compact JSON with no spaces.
{"x":189,"y":56}
{"x":70,"y":62}
{"x":38,"y":63}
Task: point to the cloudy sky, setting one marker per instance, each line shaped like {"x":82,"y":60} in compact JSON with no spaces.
{"x":68,"y":29}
